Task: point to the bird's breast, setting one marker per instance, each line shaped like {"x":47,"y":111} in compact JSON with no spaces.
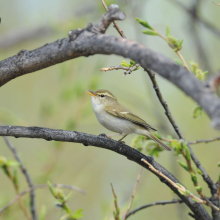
{"x":112,"y":123}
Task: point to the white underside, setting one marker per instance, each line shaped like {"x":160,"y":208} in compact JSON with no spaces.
{"x":115,"y":124}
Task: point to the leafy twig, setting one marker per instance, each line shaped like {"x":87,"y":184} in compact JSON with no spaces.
{"x":129,"y":69}
{"x":39,"y":187}
{"x":179,"y":201}
{"x":115,"y":68}
{"x":26,"y":174}
{"x":177,"y":186}
{"x":15,"y":184}
{"x":132,"y":197}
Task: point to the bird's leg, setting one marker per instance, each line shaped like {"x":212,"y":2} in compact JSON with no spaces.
{"x":122,"y":138}
{"x":112,"y":135}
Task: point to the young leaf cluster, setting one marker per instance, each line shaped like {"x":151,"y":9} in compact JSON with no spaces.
{"x":61,"y":203}
{"x":131,"y":64}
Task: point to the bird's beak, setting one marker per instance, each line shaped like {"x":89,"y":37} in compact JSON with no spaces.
{"x":91,"y":93}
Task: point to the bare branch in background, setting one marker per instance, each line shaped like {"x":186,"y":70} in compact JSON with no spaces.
{"x":204,"y":141}
{"x":26,"y":174}
{"x":116,"y":204}
{"x":199,"y":19}
{"x":133,"y":194}
{"x":174,"y":201}
{"x":38,"y":187}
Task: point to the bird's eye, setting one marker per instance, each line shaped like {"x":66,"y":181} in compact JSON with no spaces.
{"x":102,"y":95}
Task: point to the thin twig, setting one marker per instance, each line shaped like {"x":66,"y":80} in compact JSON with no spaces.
{"x":177,"y":52}
{"x":181,"y":188}
{"x":208,"y":203}
{"x":204,"y":141}
{"x":179,"y":201}
{"x":163,"y":102}
{"x":115,"y":23}
{"x":129,"y":69}
{"x":17,"y":192}
{"x":38,"y":187}
{"x":218,"y":191}
{"x":116,"y":204}
{"x":115,"y":68}
{"x":216,"y":3}
{"x":26,"y":174}
{"x":132,"y":197}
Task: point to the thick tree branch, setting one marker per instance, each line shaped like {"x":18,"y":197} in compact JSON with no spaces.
{"x":90,"y":41}
{"x":103,"y":142}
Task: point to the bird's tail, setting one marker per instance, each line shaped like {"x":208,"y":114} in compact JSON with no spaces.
{"x":154,"y":138}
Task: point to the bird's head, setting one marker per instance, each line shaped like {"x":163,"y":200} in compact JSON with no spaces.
{"x":102,"y":97}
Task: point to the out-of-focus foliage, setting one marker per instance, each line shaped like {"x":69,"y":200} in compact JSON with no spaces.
{"x":55,"y":97}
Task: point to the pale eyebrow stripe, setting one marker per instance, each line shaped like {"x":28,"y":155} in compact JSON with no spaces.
{"x":106,"y":94}
{"x":124,"y":112}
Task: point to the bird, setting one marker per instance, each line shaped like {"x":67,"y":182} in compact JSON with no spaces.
{"x":115,"y":117}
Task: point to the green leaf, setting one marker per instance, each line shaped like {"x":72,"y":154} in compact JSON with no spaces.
{"x":118,"y":211}
{"x":43,"y":212}
{"x":59,"y":194}
{"x":132,"y":63}
{"x":198,"y":188}
{"x":187,"y":151}
{"x":68,"y":196}
{"x":194,"y":200}
{"x":218,"y":164}
{"x":144,"y":23}
{"x":197,"y":111}
{"x":12,"y":163}
{"x":181,"y":192}
{"x":194,"y":178}
{"x":185,"y":166}
{"x":51,"y":188}
{"x":16,"y":177}
{"x":219,"y":178}
{"x":157,"y":135}
{"x":168,"y":32}
{"x":3,"y":161}
{"x":148,"y":32}
{"x":199,"y":171}
{"x":177,"y":146}
{"x":180,"y":43}
{"x":78,"y":214}
{"x":188,"y":192}
{"x":125,"y":64}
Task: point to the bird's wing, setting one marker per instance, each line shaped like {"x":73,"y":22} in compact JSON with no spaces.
{"x":127,"y":115}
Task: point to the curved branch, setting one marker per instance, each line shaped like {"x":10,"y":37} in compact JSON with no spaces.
{"x":179,"y":201}
{"x":90,"y":41}
{"x":103,"y":142}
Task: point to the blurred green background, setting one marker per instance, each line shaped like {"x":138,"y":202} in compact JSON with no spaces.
{"x":55,"y":97}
